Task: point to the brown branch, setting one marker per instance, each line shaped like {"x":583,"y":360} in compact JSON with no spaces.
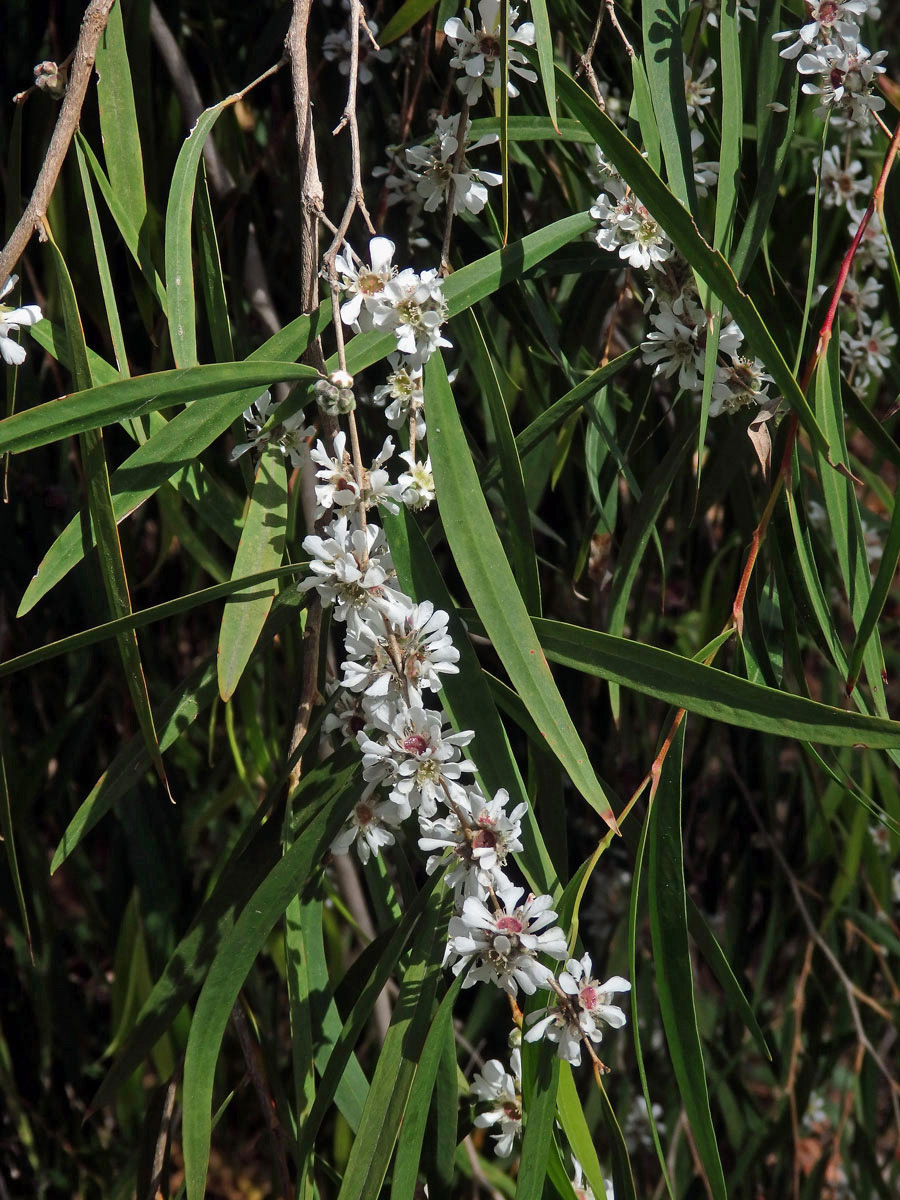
{"x":92,"y":27}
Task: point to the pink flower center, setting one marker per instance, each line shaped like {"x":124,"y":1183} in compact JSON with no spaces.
{"x":364,"y":814}
{"x":484,"y":840}
{"x":509,"y":925}
{"x":415,"y":744}
{"x":589,"y":997}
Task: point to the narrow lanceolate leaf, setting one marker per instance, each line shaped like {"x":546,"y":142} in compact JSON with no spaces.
{"x":482,"y":563}
{"x":672,"y":962}
{"x":232,"y":965}
{"x":118,"y":120}
{"x":399,"y":1058}
{"x":412,"y":1133}
{"x":663,"y":58}
{"x":543,"y":40}
{"x":106,"y":284}
{"x":708,"y":691}
{"x":179,"y":262}
{"x":112,"y":566}
{"x":575,"y":1127}
{"x":93,"y":407}
{"x":708,"y":263}
{"x":261,"y":549}
{"x":9,"y":845}
{"x":887,"y":569}
{"x":540,"y":1079}
{"x":533,"y":129}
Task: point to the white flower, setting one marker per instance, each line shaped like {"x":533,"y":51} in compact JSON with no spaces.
{"x":477,"y":51}
{"x":413,"y":308}
{"x":838,"y":181}
{"x":432,"y":167}
{"x":846,"y":80}
{"x":710,"y":12}
{"x":881,"y":837}
{"x":351,"y":568}
{"x":404,"y":390}
{"x":706,"y":174}
{"x":502,"y":947}
{"x":503,"y":1091}
{"x":827,"y":22}
{"x":696,"y":95}
{"x":417,"y":484}
{"x":576,"y":1017}
{"x":397,"y":660}
{"x":628,"y":228}
{"x":869,"y":350}
{"x":365,"y":282}
{"x":255,"y":417}
{"x":744,"y":382}
{"x":637,"y":1124}
{"x":369,"y":826}
{"x":338,"y":487}
{"x":347,"y":716}
{"x":13,"y":319}
{"x":674,"y":345}
{"x":336,"y":48}
{"x":873,"y":250}
{"x":292,"y":435}
{"x":418,"y":756}
{"x":480,"y":835}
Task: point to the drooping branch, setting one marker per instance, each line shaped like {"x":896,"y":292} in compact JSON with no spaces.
{"x":92,"y":26}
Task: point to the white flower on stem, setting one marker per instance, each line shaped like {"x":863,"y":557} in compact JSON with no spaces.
{"x":480,"y":834}
{"x":674,"y":346}
{"x":838,"y":184}
{"x":604,"y":169}
{"x":432,"y":166}
{"x":417,"y":484}
{"x":626,"y":227}
{"x":502,"y":947}
{"x":637,"y":1125}
{"x":829,"y":21}
{"x":255,"y":418}
{"x":477,"y":51}
{"x":695,"y":93}
{"x":364,"y":282}
{"x":338,"y":487}
{"x":881,"y":838}
{"x":743,"y":382}
{"x":352,"y":569}
{"x":11,"y":321}
{"x":846,"y":80}
{"x":418,"y":756}
{"x":859,"y":297}
{"x":502,"y":1090}
{"x":295,"y":438}
{"x":347,"y":717}
{"x":869,"y":350}
{"x":369,"y":827}
{"x":403,"y":395}
{"x":413,"y":308}
{"x":580,"y":1014}
{"x":336,"y":47}
{"x":401,"y":659}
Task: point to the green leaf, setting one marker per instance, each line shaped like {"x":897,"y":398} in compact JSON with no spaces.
{"x":143,"y":617}
{"x":112,"y":566}
{"x":884,"y":579}
{"x":179,"y":261}
{"x":466,"y":696}
{"x":482,"y":564}
{"x":623,"y":1180}
{"x":231,"y":966}
{"x":539,"y":1110}
{"x":399,"y":1058}
{"x":543,"y":37}
{"x":118,"y":120}
{"x":92,"y":407}
{"x":663,"y":58}
{"x":575,"y":1127}
{"x":672,"y":961}
{"x":708,"y":691}
{"x":530,"y":128}
{"x":409,"y":12}
{"x":680,"y":227}
{"x":412,"y":1132}
{"x":9,"y":845}
{"x":643,"y":106}
{"x":521,"y":541}
{"x":261,"y":549}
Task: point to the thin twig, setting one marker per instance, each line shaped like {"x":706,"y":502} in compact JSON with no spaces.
{"x":92,"y":27}
{"x":585,"y":63}
{"x":266,"y":1103}
{"x":154,"y":1192}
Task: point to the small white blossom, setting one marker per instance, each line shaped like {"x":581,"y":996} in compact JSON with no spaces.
{"x":696,"y":94}
{"x":477,"y":51}
{"x":627,"y":228}
{"x":881,"y":838}
{"x":674,"y":346}
{"x":364,"y":282}
{"x":846,"y":80}
{"x":503,"y":1091}
{"x":829,"y":21}
{"x":869,"y":351}
{"x":839,"y":184}
{"x":433,"y":168}
{"x":873,"y":253}
{"x":352,"y":569}
{"x":576,"y":1017}
{"x":743,"y":382}
{"x":11,"y":321}
{"x":403,"y":395}
{"x":370,"y":827}
{"x":337,"y":487}
{"x":417,"y":756}
{"x":413,"y":308}
{"x":480,"y":835}
{"x":417,"y":484}
{"x":400,"y":659}
{"x":503,"y":947}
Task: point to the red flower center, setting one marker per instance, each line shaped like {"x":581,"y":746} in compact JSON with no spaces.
{"x":415,"y":744}
{"x":509,"y":925}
